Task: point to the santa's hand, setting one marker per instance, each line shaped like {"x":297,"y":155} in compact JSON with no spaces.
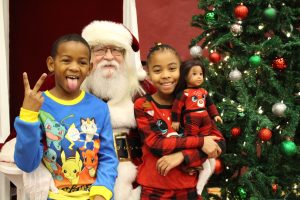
{"x":38,"y":183}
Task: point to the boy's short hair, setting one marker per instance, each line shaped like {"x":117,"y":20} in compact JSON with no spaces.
{"x":67,"y":38}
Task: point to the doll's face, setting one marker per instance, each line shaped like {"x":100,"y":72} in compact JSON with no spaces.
{"x":195,"y":77}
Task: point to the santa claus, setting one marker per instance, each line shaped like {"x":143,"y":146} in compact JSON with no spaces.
{"x":116,"y":79}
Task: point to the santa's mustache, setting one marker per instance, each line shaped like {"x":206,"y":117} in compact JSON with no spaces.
{"x":103,"y":64}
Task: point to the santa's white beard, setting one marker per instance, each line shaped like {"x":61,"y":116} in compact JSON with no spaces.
{"x":108,"y":83}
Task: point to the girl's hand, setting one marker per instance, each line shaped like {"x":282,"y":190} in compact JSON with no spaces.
{"x":218,"y":119}
{"x":168,"y":162}
{"x":33,"y":98}
{"x":175,"y":125}
{"x":99,"y":197}
{"x":210,"y":147}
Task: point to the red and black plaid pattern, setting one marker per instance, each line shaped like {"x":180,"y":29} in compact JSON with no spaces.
{"x":158,"y":194}
{"x":154,"y":125}
{"x":190,"y":100}
{"x":197,"y":123}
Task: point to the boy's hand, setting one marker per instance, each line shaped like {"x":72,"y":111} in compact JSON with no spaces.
{"x":33,"y":98}
{"x":175,"y":125}
{"x":218,"y":119}
{"x":168,"y":162}
{"x":98,"y":197}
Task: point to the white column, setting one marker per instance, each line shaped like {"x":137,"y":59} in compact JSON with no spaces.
{"x":4,"y":73}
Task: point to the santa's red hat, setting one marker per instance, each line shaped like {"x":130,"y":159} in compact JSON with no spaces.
{"x":112,"y":33}
{"x":108,"y":32}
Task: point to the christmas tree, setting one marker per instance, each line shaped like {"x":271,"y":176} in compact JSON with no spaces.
{"x":253,"y":75}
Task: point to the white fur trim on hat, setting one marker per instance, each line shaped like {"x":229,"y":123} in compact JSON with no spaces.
{"x":109,"y":33}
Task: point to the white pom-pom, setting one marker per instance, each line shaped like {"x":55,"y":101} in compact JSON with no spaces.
{"x":235,"y":75}
{"x":196,"y":51}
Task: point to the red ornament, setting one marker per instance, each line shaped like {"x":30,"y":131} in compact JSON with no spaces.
{"x":218,"y":167}
{"x":241,"y":12}
{"x":279,"y":63}
{"x":236,"y":131}
{"x":274,"y":187}
{"x":214,"y":57}
{"x":265,"y":134}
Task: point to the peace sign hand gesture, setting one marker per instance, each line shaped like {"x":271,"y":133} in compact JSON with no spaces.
{"x":33,"y":98}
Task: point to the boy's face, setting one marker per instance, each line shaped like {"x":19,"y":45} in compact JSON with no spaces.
{"x":194,"y":77}
{"x":70,"y":66}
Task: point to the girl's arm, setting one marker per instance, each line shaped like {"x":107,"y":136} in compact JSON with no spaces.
{"x":154,"y":140}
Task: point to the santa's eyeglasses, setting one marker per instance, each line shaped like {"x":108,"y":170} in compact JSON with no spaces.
{"x":101,"y":51}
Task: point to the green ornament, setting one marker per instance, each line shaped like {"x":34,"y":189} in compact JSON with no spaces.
{"x":241,"y":114}
{"x":242,"y":193}
{"x":270,"y":13}
{"x":255,"y":60}
{"x":210,"y":17}
{"x":289,"y":148}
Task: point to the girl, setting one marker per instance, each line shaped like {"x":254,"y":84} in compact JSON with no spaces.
{"x":194,"y":105}
{"x":153,"y":116}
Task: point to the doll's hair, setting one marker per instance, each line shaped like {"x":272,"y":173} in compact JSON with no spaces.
{"x":185,"y":68}
{"x":161,"y":47}
{"x":69,"y":38}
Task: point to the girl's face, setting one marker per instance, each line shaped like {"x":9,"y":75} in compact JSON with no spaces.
{"x":71,"y":65}
{"x":164,"y":70}
{"x":194,"y":77}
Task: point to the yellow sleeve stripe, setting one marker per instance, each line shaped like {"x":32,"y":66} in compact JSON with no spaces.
{"x":28,"y":115}
{"x":100,"y":190}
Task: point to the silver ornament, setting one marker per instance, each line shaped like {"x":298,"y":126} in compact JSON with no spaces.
{"x":235,"y":75}
{"x":278,"y":109}
{"x":236,"y":29}
{"x":196,"y":51}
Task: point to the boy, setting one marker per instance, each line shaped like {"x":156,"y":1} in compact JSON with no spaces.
{"x":66,"y":128}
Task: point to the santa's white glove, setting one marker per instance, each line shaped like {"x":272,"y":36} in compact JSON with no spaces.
{"x":38,"y":183}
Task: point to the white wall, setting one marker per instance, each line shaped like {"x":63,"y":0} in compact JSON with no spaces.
{"x":4,"y":70}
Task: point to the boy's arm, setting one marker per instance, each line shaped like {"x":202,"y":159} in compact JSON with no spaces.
{"x":158,"y":144}
{"x":107,"y":162}
{"x":29,"y":149}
